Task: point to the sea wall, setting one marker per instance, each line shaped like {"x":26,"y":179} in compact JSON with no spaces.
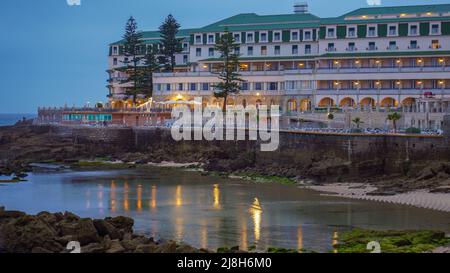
{"x":322,"y":155}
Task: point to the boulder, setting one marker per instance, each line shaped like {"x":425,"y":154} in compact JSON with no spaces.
{"x":116,"y":247}
{"x":122,"y":223}
{"x":169,"y":247}
{"x":86,"y":232}
{"x":104,"y":228}
{"x":93,"y":248}
{"x":40,"y":250}
{"x":148,"y":248}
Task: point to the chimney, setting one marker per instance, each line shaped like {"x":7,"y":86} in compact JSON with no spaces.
{"x":301,"y":8}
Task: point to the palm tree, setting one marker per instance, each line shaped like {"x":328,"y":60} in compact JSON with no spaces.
{"x":357,"y":122}
{"x":394,"y":117}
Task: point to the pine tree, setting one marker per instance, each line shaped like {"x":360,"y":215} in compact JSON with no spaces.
{"x":133,"y":50}
{"x":170,"y":44}
{"x":151,"y":65}
{"x":228,"y":69}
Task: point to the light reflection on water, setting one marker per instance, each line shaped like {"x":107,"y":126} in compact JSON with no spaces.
{"x":211,"y":212}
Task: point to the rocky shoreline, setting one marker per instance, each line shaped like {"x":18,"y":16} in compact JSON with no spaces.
{"x":24,"y":144}
{"x":52,"y":232}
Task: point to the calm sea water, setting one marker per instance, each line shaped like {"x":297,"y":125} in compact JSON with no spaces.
{"x":11,"y":119}
{"x":213,"y":212}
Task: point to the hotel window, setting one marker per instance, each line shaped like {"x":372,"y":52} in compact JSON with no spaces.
{"x":372,"y":46}
{"x":185,"y":47}
{"x":126,"y":60}
{"x":330,"y":47}
{"x":435,"y":30}
{"x":392,"y":45}
{"x":237,"y":37}
{"x":290,"y":85}
{"x":258,"y":86}
{"x":193,"y":87}
{"x":413,"y":45}
{"x":185,"y":59}
{"x":392,"y":30}
{"x":264,"y":50}
{"x":198,"y":52}
{"x":273,"y":86}
{"x":277,"y":50}
{"x":435,"y":44}
{"x":294,"y":36}
{"x":413,"y":30}
{"x":168,"y":87}
{"x":277,"y":36}
{"x":211,"y":52}
{"x":372,"y":32}
{"x":294,"y":49}
{"x":180,"y":87}
{"x":245,"y":86}
{"x":351,"y":47}
{"x":263,"y":37}
{"x":205,"y":86}
{"x":115,"y":61}
{"x":198,"y":39}
{"x":115,"y":50}
{"x":307,"y":49}
{"x":249,"y":37}
{"x":250,"y":51}
{"x":351,"y":32}
{"x":210,"y":39}
{"x":330,"y":33}
{"x":237,"y":51}
{"x":307,"y":36}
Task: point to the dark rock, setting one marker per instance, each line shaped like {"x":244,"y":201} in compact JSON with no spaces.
{"x":93,"y":248}
{"x":11,"y":214}
{"x":41,"y":250}
{"x":149,"y":248}
{"x":169,"y":247}
{"x":122,"y":223}
{"x":105,"y":228}
{"x":86,"y":232}
{"x":116,"y":247}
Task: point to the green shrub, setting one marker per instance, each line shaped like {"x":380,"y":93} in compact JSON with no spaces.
{"x":413,"y":130}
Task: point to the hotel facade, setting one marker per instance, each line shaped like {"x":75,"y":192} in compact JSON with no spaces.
{"x":370,"y":58}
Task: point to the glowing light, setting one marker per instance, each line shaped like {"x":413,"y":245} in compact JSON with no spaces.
{"x":178,"y":197}
{"x":258,"y":94}
{"x":377,"y":61}
{"x":179,"y":97}
{"x":336,"y":62}
{"x":126,"y":204}
{"x":398,"y":61}
{"x":300,"y":239}
{"x":153,"y":201}
{"x":335,"y":240}
{"x":139,"y":198}
{"x":244,"y":243}
{"x":357,"y":62}
{"x":398,"y":83}
{"x":419,"y":60}
{"x":377,"y":83}
{"x":419,"y":82}
{"x":112,"y":196}
{"x":216,"y":196}
{"x":403,"y":15}
{"x":441,"y":82}
{"x":441,"y":60}
{"x":256,"y":212}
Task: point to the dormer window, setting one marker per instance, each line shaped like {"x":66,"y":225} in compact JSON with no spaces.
{"x":392,"y":45}
{"x":276,"y":36}
{"x":115,"y":50}
{"x":330,"y":33}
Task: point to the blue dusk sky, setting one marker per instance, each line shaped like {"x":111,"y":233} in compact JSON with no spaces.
{"x":54,"y":54}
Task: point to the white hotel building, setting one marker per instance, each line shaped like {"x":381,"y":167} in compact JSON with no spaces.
{"x":370,"y":57}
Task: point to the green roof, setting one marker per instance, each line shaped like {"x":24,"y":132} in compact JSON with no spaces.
{"x":252,"y":21}
{"x":399,"y":10}
{"x":153,"y":37}
{"x":342,"y":20}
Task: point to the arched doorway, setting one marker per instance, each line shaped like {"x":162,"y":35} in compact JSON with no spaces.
{"x":368,"y":102}
{"x":326,"y":102}
{"x":305,"y":105}
{"x":292,"y":105}
{"x":409,"y":101}
{"x":388,"y":102}
{"x":347,"y":102}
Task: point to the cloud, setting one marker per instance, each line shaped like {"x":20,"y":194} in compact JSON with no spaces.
{"x":373,"y":2}
{"x":73,"y":2}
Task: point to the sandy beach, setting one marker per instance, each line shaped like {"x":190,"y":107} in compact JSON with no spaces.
{"x":420,"y":198}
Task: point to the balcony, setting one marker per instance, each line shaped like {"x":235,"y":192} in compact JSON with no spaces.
{"x":393,"y":92}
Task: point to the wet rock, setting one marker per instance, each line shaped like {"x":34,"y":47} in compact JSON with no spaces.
{"x":116,"y":247}
{"x":122,"y":223}
{"x":105,"y":228}
{"x":93,"y":248}
{"x":169,"y":247}
{"x":41,"y":250}
{"x":149,"y":248}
